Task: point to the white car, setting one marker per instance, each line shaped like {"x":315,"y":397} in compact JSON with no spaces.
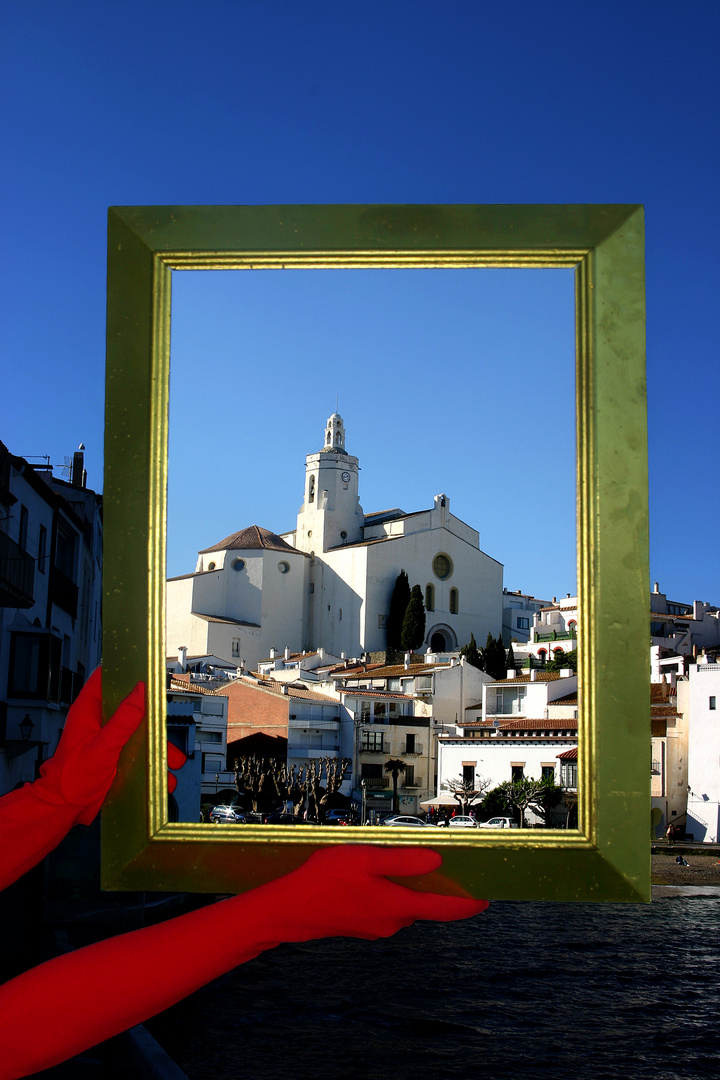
{"x":407,"y":821}
{"x":462,"y":821}
{"x":497,"y":823}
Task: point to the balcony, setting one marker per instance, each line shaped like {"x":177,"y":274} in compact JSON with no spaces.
{"x":17,"y":574}
{"x":554,"y":635}
{"x":416,"y":782}
{"x":418,"y":748}
{"x":375,"y":783}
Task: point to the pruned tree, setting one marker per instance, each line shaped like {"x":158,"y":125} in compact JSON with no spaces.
{"x":395,"y":766}
{"x":398,"y":606}
{"x":472,"y":653}
{"x":309,"y":785}
{"x":254,"y":777}
{"x":510,"y":662}
{"x":467,"y":792}
{"x":413,"y":627}
{"x":522,"y":794}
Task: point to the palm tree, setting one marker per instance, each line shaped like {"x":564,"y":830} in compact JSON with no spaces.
{"x":395,"y":766}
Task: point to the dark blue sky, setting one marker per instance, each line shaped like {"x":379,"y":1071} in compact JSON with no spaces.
{"x":287,"y":102}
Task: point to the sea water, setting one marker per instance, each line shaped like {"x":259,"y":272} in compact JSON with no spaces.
{"x":525,"y":990}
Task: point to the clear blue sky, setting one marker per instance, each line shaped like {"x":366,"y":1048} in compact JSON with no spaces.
{"x":285,"y":102}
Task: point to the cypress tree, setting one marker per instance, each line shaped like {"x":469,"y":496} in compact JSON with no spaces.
{"x":398,"y":606}
{"x":413,"y":627}
{"x":494,"y":657}
{"x":471,"y":653}
{"x":510,"y":663}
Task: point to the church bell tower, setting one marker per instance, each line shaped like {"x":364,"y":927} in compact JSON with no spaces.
{"x":330,"y":515}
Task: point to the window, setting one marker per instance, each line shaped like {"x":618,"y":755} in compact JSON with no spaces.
{"x":510,"y":701}
{"x":236,"y":647}
{"x":393,"y":684}
{"x":523,"y":623}
{"x":283,"y":567}
{"x":65,"y":553}
{"x":423,"y":682}
{"x":468,"y":775}
{"x":548,"y":772}
{"x":22,"y":539}
{"x":410,"y":742}
{"x":311,"y":488}
{"x":210,"y":736}
{"x":409,"y":776}
{"x":372,"y":774}
{"x":442,"y":566}
{"x":35,"y":666}
{"x":517,"y":773}
{"x":454,"y":601}
{"x":568,"y":774}
{"x":372,"y":740}
{"x":712,"y":703}
{"x":429,"y":597}
{"x":42,"y":549}
{"x":237,"y":564}
{"x":211,"y":566}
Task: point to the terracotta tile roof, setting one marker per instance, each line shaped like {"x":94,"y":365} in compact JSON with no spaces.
{"x":568,"y":699}
{"x":540,"y":676}
{"x":393,"y":670}
{"x":273,"y":686}
{"x":379,"y":694}
{"x":524,"y":723}
{"x":568,"y":755}
{"x":660,"y":693}
{"x":251,"y":539}
{"x":292,"y":657}
{"x":180,"y":685}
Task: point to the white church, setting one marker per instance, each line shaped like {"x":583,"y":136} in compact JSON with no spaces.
{"x":327,"y":584}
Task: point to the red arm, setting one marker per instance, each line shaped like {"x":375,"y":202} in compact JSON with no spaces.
{"x":75,"y":1001}
{"x":72,"y":784}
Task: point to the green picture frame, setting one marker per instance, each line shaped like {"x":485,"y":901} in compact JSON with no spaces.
{"x":608,"y":856}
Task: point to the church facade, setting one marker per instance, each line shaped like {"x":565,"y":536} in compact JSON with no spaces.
{"x":328,"y":582}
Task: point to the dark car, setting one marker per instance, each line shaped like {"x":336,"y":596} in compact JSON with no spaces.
{"x":230,"y":814}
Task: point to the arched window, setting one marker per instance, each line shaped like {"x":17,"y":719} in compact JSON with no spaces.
{"x":311,"y":490}
{"x":454,"y":601}
{"x":429,"y":597}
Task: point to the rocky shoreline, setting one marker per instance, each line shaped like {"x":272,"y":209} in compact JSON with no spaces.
{"x":703,"y":869}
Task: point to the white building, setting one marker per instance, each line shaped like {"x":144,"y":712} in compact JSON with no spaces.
{"x":50,"y":607}
{"x":525,"y":727}
{"x":703,"y":801}
{"x":328,"y":582}
{"x":518,"y":614}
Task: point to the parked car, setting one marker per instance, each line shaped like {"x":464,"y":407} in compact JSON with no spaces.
{"x":229,"y":814}
{"x":407,"y":821}
{"x":497,"y":823}
{"x":462,"y":821}
{"x":337,"y":817}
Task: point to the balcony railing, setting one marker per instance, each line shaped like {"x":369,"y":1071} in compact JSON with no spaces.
{"x":418,"y":748}
{"x":375,"y":783}
{"x":17,"y":574}
{"x":372,"y":749}
{"x":554,"y":635}
{"x":656,"y":768}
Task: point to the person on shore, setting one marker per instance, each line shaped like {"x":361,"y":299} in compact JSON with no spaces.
{"x":73,"y":1002}
{"x":670,"y":834}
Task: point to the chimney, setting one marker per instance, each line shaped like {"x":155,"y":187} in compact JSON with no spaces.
{"x":533,"y":675}
{"x":78,"y":475}
{"x":287,"y":653}
{"x":510,"y":673}
{"x":272,"y":654}
{"x":566,"y":673}
{"x":182,"y":657}
{"x":284,"y":689}
{"x":342,"y":655}
{"x":321,"y":654}
{"x":407,"y":660}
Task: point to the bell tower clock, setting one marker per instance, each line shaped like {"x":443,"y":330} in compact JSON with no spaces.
{"x":331,"y":515}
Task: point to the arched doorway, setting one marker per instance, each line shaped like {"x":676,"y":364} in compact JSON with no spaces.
{"x":441,"y":638}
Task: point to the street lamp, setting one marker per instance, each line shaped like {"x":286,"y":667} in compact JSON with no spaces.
{"x":217,"y":777}
{"x":26,"y":727}
{"x":364,"y":801}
